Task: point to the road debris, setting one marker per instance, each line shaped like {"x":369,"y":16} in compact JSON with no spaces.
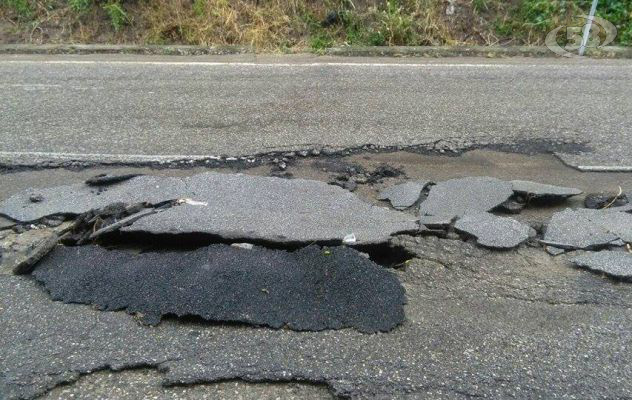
{"x":457,"y":197}
{"x":76,"y":199}
{"x":543,"y":191}
{"x":305,"y":289}
{"x":616,"y":264}
{"x":404,"y":195}
{"x":587,"y":229}
{"x":494,"y":231}
{"x":108,"y":179}
{"x":260,"y":208}
{"x":604,"y":199}
{"x":274,"y":210}
{"x":20,"y":252}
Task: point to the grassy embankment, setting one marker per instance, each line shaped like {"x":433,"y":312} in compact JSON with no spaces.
{"x":278,"y":25}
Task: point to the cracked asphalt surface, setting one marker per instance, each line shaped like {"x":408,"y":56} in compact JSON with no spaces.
{"x":122,"y":107}
{"x":479,"y":324}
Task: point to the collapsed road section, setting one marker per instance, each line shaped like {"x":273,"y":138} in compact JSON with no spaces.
{"x":312,"y":288}
{"x":302,"y":257}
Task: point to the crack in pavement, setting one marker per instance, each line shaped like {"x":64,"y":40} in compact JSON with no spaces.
{"x":470,"y":343}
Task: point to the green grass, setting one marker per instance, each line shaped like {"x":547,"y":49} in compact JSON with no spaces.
{"x":80,"y":6}
{"x":20,"y":7}
{"x":118,"y":16}
{"x":289,"y":24}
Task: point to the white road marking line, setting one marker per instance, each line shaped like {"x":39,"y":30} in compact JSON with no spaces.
{"x":604,"y":168}
{"x":38,"y":85}
{"x":92,"y":156}
{"x":256,"y":64}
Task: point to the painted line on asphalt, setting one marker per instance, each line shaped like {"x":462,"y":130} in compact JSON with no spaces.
{"x":256,"y":64}
{"x":604,"y":168}
{"x":101,"y":156}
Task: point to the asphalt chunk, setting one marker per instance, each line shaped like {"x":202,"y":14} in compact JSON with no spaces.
{"x":457,"y":197}
{"x":107,"y":179}
{"x":588,"y":229}
{"x":273,"y":210}
{"x":536,"y":190}
{"x":80,"y":198}
{"x":493,"y":231}
{"x":616,"y":264}
{"x":230,"y":206}
{"x":404,"y":195}
{"x":311,"y":289}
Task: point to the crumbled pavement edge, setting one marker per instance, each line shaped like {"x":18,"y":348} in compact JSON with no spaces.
{"x":10,"y":162}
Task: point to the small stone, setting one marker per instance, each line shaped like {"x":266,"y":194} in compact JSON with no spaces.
{"x":493,"y":231}
{"x":350,"y":185}
{"x":53,"y":222}
{"x":245,"y":246}
{"x":554,"y":251}
{"x":616,"y":264}
{"x":36,"y":198}
{"x":303,"y":153}
{"x":349,"y":239}
{"x":315,"y":152}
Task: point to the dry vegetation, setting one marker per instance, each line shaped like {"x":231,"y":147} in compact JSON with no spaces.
{"x":296,"y":24}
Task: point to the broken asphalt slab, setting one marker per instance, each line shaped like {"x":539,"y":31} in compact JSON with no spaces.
{"x":588,"y":229}
{"x":311,"y":289}
{"x":494,"y":231}
{"x":35,"y":204}
{"x":616,"y":264}
{"x":404,"y":195}
{"x":535,"y":190}
{"x":19,"y":253}
{"x":230,"y":206}
{"x":570,"y":330}
{"x":457,"y":197}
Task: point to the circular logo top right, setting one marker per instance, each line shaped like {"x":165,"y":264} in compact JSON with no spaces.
{"x":602,"y":32}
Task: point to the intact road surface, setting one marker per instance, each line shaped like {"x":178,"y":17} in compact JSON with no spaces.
{"x":149,"y":107}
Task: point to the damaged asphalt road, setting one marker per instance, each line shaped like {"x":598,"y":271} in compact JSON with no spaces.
{"x":479,"y":324}
{"x":476,"y":322}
